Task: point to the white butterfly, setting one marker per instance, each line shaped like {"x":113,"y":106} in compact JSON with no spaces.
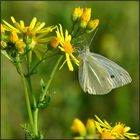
{"x":99,"y":75}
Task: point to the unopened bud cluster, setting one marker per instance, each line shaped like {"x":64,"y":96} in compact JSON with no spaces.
{"x":83,"y":17}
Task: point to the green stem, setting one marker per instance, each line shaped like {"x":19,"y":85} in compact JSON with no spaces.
{"x":35,"y":110}
{"x":26,"y":95}
{"x":51,"y":77}
{"x":72,"y":29}
{"x":35,"y":115}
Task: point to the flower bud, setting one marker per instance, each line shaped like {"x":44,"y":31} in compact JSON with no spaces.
{"x":77,"y":13}
{"x":13,"y":37}
{"x":83,"y":24}
{"x":20,"y":45}
{"x":32,"y":44}
{"x":85,"y":17}
{"x":90,"y":125}
{"x":78,"y":127}
{"x":91,"y":26}
{"x":54,"y":42}
{"x":3,"y":44}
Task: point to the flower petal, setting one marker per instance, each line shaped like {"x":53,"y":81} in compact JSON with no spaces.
{"x":10,"y":26}
{"x":39,"y":27}
{"x":22,"y":24}
{"x":47,"y":29}
{"x":33,"y":22}
{"x":74,"y":59}
{"x":69,"y":62}
{"x":59,"y":36}
{"x":13,"y":19}
{"x":61,"y":31}
{"x":67,"y":36}
{"x":62,"y":49}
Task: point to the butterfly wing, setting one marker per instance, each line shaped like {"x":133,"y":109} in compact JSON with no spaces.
{"x":93,"y":77}
{"x":118,"y":75}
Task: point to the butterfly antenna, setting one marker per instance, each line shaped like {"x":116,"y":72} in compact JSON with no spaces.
{"x":93,"y":36}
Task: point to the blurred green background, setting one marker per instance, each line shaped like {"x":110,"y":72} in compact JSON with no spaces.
{"x":117,"y":38}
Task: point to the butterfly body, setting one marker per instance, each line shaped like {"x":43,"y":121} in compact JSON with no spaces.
{"x":98,"y":75}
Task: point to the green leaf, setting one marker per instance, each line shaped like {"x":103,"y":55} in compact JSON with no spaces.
{"x":44,"y":103}
{"x":40,"y":50}
{"x":6,"y":55}
{"x":28,"y":132}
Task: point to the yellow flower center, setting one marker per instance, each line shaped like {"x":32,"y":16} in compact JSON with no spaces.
{"x":27,"y":31}
{"x":68,"y":47}
{"x":119,"y":128}
{"x":106,"y":135}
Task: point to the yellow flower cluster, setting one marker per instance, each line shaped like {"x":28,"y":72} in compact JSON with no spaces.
{"x":24,"y":38}
{"x":18,"y":38}
{"x":98,"y":129}
{"x":83,"y":16}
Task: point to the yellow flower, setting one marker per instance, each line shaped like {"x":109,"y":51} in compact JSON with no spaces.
{"x":77,"y":13}
{"x":66,"y":46}
{"x":33,"y":28}
{"x":121,"y":131}
{"x":78,"y":127}
{"x":34,"y":34}
{"x":102,"y":130}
